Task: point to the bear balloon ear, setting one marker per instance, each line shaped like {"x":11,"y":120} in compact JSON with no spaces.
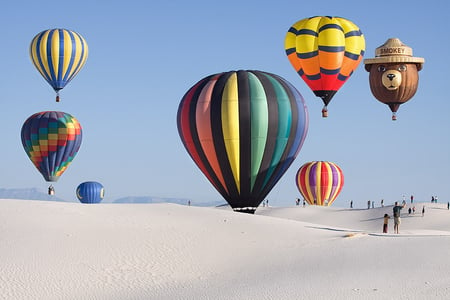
{"x":419,"y":67}
{"x":367,"y":67}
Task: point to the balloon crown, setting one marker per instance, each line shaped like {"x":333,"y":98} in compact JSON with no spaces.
{"x":394,"y":51}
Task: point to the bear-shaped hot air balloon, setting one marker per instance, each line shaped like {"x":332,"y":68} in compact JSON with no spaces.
{"x":394,"y":74}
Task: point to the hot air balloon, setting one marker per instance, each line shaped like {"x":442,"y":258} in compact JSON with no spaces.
{"x":324,"y":51}
{"x":319,"y":182}
{"x":90,"y":192}
{"x":51,"y":140}
{"x":58,"y":54}
{"x":243,"y":129}
{"x":394,"y":74}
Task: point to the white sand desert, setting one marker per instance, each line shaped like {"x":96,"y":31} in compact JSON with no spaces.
{"x":55,"y":250}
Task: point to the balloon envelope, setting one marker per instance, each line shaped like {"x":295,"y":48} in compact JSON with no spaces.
{"x":320,"y":182}
{"x":324,"y":51}
{"x":51,"y":140}
{"x":58,"y":54}
{"x":243,"y":129}
{"x":90,"y":192}
{"x":393,"y":74}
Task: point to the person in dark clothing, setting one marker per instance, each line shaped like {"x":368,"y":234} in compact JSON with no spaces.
{"x":385,"y":223}
{"x":396,"y":210}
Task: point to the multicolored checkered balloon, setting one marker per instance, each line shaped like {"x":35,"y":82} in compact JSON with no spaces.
{"x":51,"y":139}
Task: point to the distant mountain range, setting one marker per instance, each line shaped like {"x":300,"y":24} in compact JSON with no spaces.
{"x":150,"y":199}
{"x":27,"y":194}
{"x":35,"y":194}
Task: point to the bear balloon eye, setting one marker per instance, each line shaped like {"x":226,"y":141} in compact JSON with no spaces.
{"x":402,"y":68}
{"x":381,"y":68}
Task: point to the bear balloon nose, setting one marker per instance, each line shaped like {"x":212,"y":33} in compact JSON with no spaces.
{"x":391,"y":76}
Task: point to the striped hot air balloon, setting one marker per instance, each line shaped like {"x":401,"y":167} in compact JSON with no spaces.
{"x":324,"y":51}
{"x":243,"y":129}
{"x":58,"y":54}
{"x":51,"y":140}
{"x":320,"y":182}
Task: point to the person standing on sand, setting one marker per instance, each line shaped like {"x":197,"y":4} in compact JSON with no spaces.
{"x":396,"y":210}
{"x":423,"y":210}
{"x":385,"y":223}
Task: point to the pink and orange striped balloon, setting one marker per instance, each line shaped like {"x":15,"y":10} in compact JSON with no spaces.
{"x":320,"y":182}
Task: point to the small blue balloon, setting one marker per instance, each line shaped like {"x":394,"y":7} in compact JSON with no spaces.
{"x":90,"y":192}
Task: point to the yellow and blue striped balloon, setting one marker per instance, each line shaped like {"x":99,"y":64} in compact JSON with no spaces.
{"x":58,"y":54}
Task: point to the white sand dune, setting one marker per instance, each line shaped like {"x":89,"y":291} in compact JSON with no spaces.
{"x":52,"y":250}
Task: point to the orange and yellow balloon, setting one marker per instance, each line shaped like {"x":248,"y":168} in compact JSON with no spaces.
{"x":324,"y":51}
{"x":319,"y":182}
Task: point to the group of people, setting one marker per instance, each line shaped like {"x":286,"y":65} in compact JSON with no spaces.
{"x":297,"y":202}
{"x":396,"y":210}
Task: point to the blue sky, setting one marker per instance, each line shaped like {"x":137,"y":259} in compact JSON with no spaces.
{"x":144,"y":55}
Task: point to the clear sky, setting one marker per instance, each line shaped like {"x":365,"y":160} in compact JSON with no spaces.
{"x":144,"y":55}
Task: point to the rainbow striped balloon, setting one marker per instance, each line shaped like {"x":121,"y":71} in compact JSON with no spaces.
{"x":51,"y":140}
{"x":58,"y":54}
{"x":324,"y":51}
{"x":320,"y":182}
{"x":243,"y":129}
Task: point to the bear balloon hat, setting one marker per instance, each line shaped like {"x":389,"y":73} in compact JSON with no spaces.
{"x":394,"y":51}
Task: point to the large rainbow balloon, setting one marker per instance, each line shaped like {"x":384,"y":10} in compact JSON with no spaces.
{"x":243,"y":129}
